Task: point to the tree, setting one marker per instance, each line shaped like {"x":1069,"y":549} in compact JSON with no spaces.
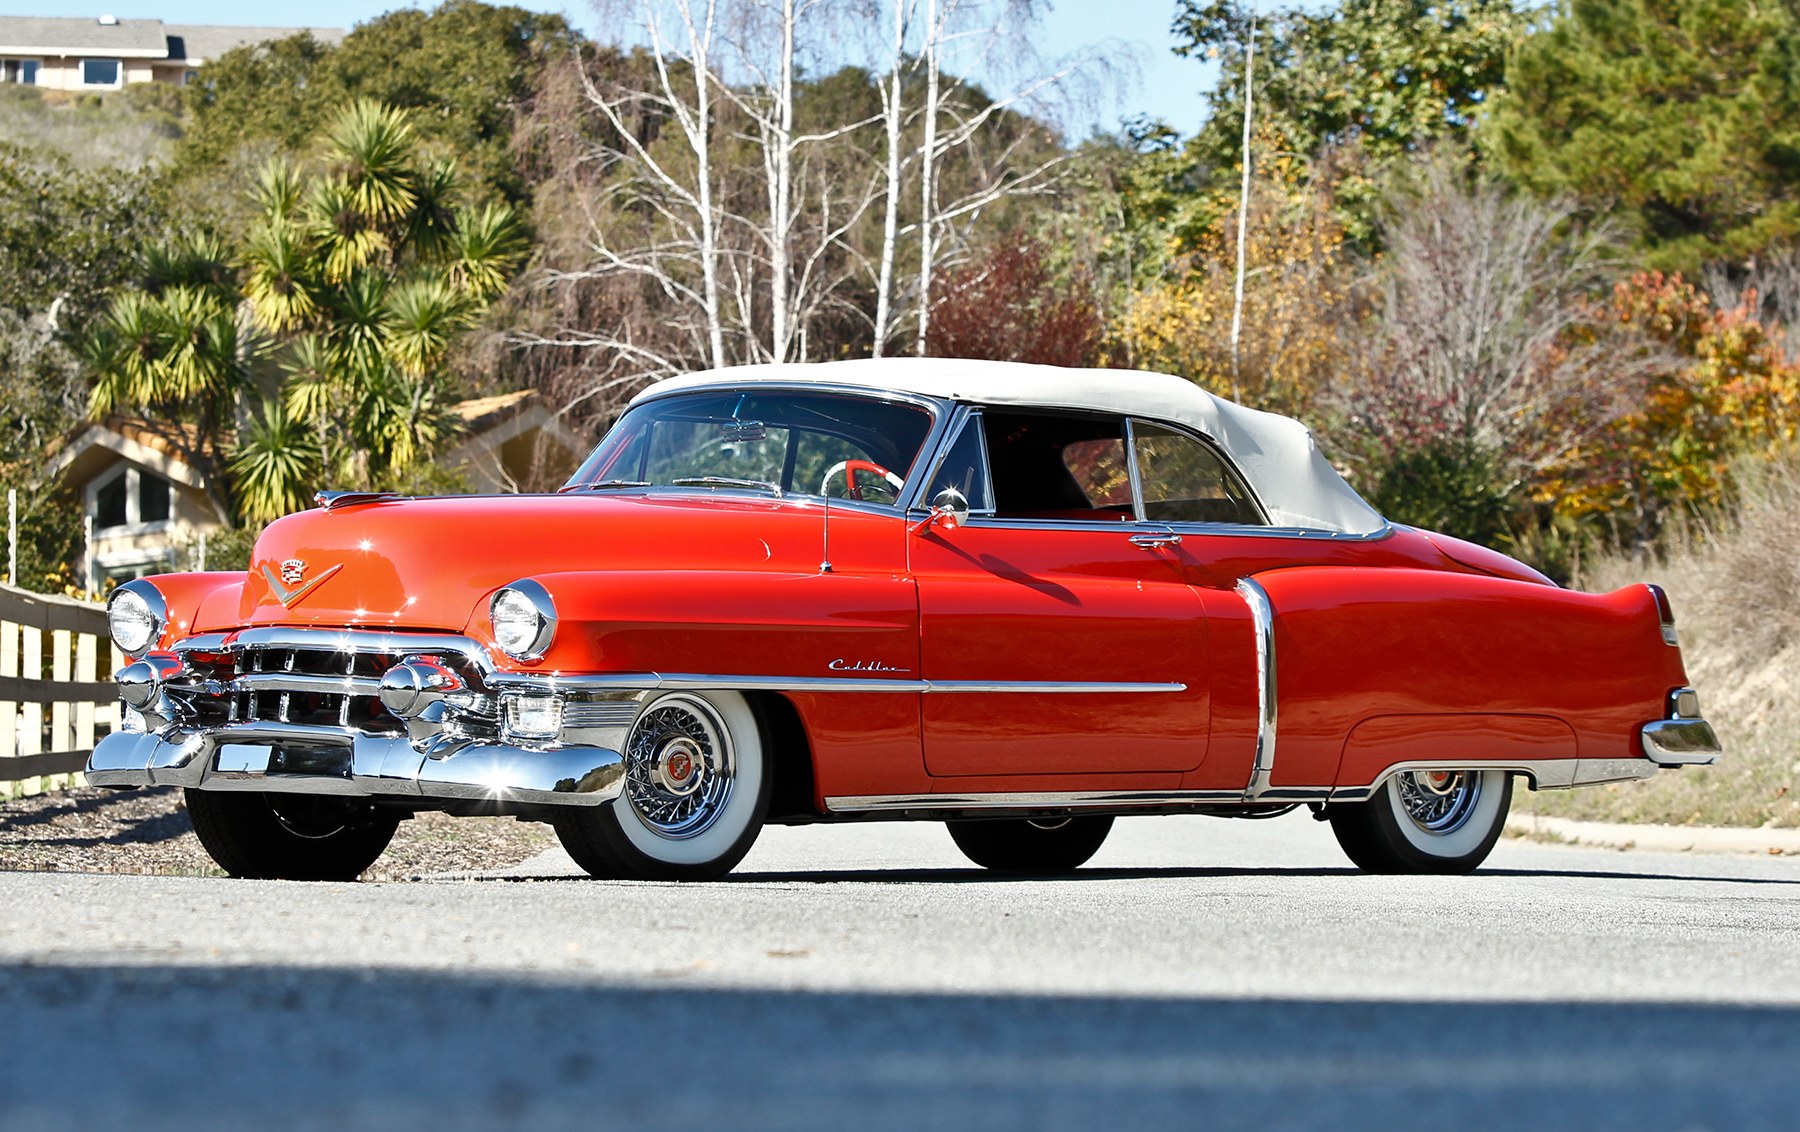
{"x":1724,"y":389}
{"x":361,"y":273}
{"x":1007,"y":306}
{"x":1484,"y":356}
{"x":1681,"y":117}
{"x":1361,"y":84}
{"x":704,"y":201}
{"x":466,"y":68}
{"x":68,"y":237}
{"x":1299,"y":297}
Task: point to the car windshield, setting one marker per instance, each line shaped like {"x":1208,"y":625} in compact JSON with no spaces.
{"x":777,"y":441}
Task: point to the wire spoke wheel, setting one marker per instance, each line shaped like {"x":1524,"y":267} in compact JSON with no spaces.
{"x":1440,"y":801}
{"x":679,"y":769}
{"x":1425,"y":821}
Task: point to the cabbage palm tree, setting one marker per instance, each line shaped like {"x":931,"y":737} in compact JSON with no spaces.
{"x":361,"y":272}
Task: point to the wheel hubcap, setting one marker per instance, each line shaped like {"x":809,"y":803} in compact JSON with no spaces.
{"x":1439,"y":801}
{"x":679,"y":767}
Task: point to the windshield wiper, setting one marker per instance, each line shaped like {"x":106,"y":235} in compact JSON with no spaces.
{"x":601,"y":485}
{"x":722,"y":481}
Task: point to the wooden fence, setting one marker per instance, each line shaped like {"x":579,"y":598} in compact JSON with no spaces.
{"x":56,"y":690}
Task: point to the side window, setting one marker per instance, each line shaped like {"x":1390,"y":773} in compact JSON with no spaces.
{"x":1185,"y":481}
{"x":1099,"y":466}
{"x":966,"y":469}
{"x":1058,"y":466}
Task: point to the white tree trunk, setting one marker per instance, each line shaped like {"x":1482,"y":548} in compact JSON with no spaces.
{"x":893,"y":112}
{"x":932,"y":56}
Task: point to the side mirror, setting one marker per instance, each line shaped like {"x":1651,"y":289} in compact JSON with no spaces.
{"x":949,"y":509}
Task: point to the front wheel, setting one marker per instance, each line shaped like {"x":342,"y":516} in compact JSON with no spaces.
{"x":290,"y":836}
{"x":696,"y":792}
{"x":1427,"y":821}
{"x":1031,"y":845}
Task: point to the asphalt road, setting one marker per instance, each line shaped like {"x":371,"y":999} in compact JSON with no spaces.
{"x":1201,"y":973}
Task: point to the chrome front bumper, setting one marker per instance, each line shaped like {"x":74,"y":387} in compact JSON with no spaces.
{"x":252,"y":757}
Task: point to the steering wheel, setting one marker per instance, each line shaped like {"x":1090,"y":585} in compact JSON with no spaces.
{"x":850,"y":468}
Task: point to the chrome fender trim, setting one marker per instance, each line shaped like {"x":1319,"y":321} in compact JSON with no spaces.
{"x":238,"y":758}
{"x":1262,"y":612}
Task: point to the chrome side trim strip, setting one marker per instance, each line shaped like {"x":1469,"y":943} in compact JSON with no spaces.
{"x":1546,"y":774}
{"x":1054,"y":799}
{"x":1262,"y":612}
{"x":687,"y":681}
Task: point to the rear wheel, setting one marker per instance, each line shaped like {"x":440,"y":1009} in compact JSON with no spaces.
{"x":290,"y":836}
{"x":1428,"y":821}
{"x":1033,"y":845}
{"x":696,"y":792}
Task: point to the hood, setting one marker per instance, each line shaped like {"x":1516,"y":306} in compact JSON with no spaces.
{"x":430,"y":564}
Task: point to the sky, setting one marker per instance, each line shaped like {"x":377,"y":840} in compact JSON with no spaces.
{"x":1135,"y":30}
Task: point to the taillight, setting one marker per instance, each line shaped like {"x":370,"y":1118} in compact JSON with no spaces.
{"x":1666,"y":613}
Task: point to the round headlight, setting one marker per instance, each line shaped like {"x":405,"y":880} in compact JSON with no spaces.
{"x":135,"y":614}
{"x":524,"y":620}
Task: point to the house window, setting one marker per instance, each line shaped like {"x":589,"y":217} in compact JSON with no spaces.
{"x":110,"y":505}
{"x":153,"y":498}
{"x":101,"y":72}
{"x":23,"y":71}
{"x":130,"y":498}
{"x":188,"y":77}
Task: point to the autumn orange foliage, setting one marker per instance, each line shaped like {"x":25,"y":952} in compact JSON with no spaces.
{"x":1727,"y":389}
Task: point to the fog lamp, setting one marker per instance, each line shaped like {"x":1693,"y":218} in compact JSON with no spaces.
{"x":533,"y":716}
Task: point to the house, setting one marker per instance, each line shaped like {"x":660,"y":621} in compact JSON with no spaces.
{"x":106,"y":53}
{"x":148,"y":511}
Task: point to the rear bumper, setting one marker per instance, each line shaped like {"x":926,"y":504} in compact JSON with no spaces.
{"x":257,"y":757}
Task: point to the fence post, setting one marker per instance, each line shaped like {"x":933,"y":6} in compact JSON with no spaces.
{"x":62,"y":723}
{"x":9,"y":709}
{"x":31,"y":715}
{"x":87,"y":669}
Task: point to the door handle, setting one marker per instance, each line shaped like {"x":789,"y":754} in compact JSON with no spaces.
{"x":1156,"y":541}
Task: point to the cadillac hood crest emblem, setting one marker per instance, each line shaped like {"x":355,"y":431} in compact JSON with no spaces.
{"x":290,"y":585}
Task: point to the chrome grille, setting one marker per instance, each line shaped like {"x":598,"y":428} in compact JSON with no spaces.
{"x":319,"y":687}
{"x":328,"y":679}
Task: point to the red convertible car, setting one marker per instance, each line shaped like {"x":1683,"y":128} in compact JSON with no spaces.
{"x":1015,"y":599}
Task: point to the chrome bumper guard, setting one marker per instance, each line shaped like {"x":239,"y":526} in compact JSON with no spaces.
{"x":1681,"y":742}
{"x":1682,"y":739}
{"x":253,"y":757}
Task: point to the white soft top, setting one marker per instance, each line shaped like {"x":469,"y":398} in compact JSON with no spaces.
{"x":1277,"y":454}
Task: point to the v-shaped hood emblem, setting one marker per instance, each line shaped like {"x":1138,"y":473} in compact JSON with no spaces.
{"x":287,"y":597}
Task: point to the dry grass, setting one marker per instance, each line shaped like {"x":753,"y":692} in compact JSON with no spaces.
{"x":1737,"y":604}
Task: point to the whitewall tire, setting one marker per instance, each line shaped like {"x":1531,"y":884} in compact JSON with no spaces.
{"x":1443,"y":821}
{"x":696,"y":792}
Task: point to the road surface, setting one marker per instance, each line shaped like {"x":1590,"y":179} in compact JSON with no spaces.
{"x":1200,"y":973}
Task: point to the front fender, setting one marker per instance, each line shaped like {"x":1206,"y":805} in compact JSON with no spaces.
{"x":723,"y":623}
{"x":198,"y":603}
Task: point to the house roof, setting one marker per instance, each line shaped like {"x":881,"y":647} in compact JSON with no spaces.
{"x":201,"y":43}
{"x":62,"y":35}
{"x":138,"y":39}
